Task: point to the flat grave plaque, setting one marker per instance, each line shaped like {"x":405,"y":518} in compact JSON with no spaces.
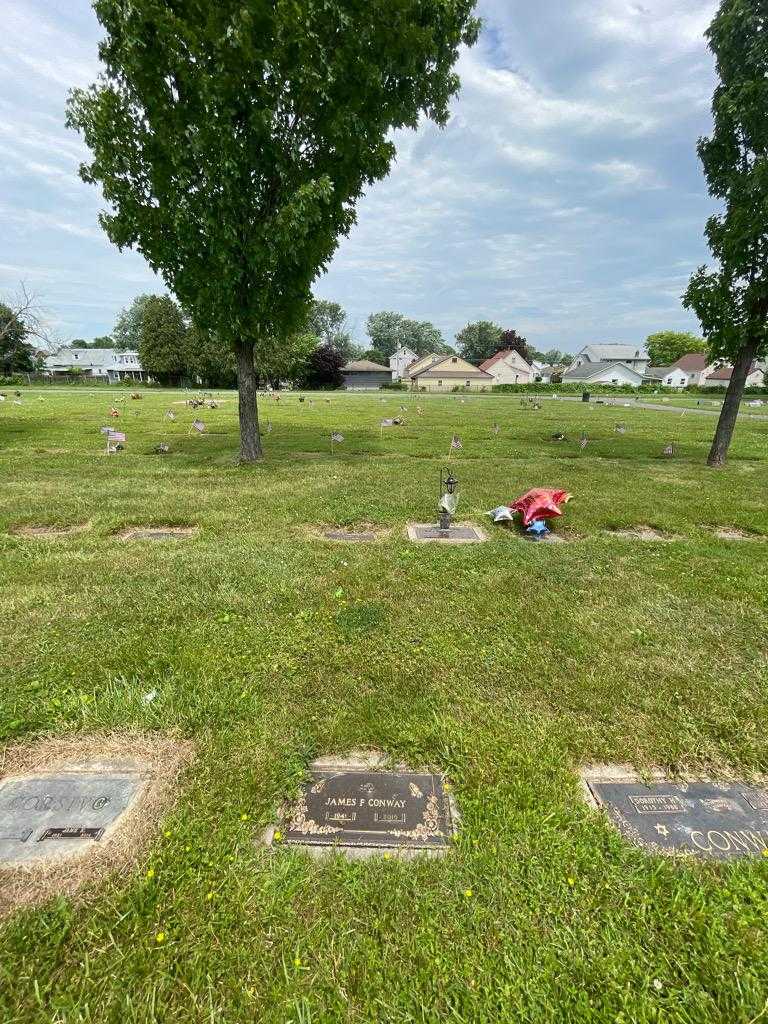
{"x":157,"y":535}
{"x":454,"y":535}
{"x":58,"y":814}
{"x":350,"y":536}
{"x":721,"y":821}
{"x":371,"y":809}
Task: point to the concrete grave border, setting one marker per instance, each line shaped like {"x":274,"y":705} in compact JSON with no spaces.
{"x":361,"y":760}
{"x":642,"y":532}
{"x":157,"y":760}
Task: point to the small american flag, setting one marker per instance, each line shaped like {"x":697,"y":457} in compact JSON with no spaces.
{"x":669,"y":451}
{"x":419,"y":410}
{"x":387,"y":423}
{"x":456,"y":443}
{"x":620,"y":428}
{"x":269,"y":426}
{"x":115,"y":435}
{"x":336,"y":437}
{"x":583,"y":442}
{"x":170,"y":415}
{"x":496,"y":428}
{"x":199,"y":426}
{"x":162,"y":448}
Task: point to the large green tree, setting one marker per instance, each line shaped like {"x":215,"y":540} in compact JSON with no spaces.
{"x":666,"y":347}
{"x":126,"y":334}
{"x":327,"y":321}
{"x":232,"y":139}
{"x":16,"y":354}
{"x":163,"y":340}
{"x":390,"y":331}
{"x":478,"y":341}
{"x":731,"y":301}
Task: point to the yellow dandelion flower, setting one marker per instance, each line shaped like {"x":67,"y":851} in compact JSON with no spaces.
{"x":167,"y":835}
{"x":571,"y":881}
{"x":468,"y":893}
{"x":243,"y":817}
{"x":209,"y":895}
{"x":277,"y":836}
{"x":387,"y":856}
{"x":160,"y":937}
{"x":151,"y":873}
{"x":296,"y":962}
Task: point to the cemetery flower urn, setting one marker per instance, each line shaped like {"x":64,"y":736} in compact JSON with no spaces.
{"x":449,"y":498}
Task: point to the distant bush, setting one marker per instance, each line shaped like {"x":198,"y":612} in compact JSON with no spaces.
{"x":396,"y":385}
{"x":13,"y":381}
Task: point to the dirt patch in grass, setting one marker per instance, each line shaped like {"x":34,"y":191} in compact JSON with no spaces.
{"x":49,"y":532}
{"x":647,"y":533}
{"x":734,"y":533}
{"x":157,"y":760}
{"x":156,"y":533}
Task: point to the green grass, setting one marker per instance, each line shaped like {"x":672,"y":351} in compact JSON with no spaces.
{"x":507,"y":665}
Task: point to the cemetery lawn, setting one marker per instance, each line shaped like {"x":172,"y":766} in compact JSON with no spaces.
{"x":506,"y":665}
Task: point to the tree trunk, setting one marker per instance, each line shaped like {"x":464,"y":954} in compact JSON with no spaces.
{"x":730,"y":411}
{"x":250,"y":440}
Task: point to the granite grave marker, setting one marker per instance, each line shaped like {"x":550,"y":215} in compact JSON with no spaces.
{"x":721,"y":821}
{"x":59,"y":813}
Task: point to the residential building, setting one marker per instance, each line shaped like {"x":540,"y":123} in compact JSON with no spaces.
{"x":721,"y":377}
{"x":630,"y":355}
{"x":667,"y":376}
{"x":444,"y":373}
{"x":422,"y":363}
{"x":603,"y":371}
{"x":365,"y":375}
{"x":400,"y":361}
{"x":104,"y":364}
{"x":508,"y":367}
{"x":697,"y":365}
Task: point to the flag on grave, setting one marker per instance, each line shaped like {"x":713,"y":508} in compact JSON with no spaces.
{"x":496,"y":428}
{"x":115,"y":435}
{"x":170,"y":415}
{"x":336,"y":437}
{"x":620,"y":428}
{"x":199,"y":426}
{"x":162,"y":448}
{"x":269,"y":426}
{"x":669,"y":451}
{"x":387,"y":423}
{"x":456,"y":443}
{"x":583,"y":442}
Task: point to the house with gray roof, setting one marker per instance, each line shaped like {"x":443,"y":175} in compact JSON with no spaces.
{"x":603,"y":371}
{"x":103,"y":364}
{"x":365,"y":375}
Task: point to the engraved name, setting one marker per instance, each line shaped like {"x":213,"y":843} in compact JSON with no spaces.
{"x":746,"y":841}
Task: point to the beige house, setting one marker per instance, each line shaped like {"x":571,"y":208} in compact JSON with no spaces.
{"x":508,"y":367}
{"x":444,"y":373}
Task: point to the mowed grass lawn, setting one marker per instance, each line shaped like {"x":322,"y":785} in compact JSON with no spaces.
{"x":507,"y":665}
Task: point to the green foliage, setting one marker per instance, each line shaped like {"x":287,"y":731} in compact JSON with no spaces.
{"x":288,"y":359}
{"x":16,"y":354}
{"x":327,"y":321}
{"x":390,"y":331}
{"x":731,"y":301}
{"x":376,"y":356}
{"x":207,"y":360}
{"x":163,"y":339}
{"x":666,"y":347}
{"x":552,"y":357}
{"x":128,"y":326}
{"x":517,"y":343}
{"x":323,"y":368}
{"x":232,"y":138}
{"x":479,"y":341}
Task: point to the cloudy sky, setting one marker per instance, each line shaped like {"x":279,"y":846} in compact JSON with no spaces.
{"x":564,"y":198}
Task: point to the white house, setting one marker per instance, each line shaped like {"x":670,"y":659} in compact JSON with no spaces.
{"x":603,"y":371}
{"x":400,"y":361}
{"x":630,"y":355}
{"x":508,"y":367}
{"x":667,"y":376}
{"x":722,"y":378}
{"x":104,"y":364}
{"x":697,"y":366}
